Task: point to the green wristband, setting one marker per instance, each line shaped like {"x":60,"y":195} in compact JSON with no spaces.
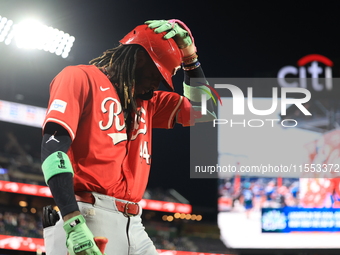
{"x":56,"y":163}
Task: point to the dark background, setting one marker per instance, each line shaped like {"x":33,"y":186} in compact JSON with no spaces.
{"x":233,"y":38}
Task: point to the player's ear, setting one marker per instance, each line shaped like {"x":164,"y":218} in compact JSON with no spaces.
{"x":142,"y":57}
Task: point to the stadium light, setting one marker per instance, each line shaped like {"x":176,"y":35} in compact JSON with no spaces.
{"x":32,"y":34}
{"x":22,"y":203}
{"x":182,"y":216}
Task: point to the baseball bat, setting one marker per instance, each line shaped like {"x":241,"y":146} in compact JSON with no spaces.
{"x":101,"y":243}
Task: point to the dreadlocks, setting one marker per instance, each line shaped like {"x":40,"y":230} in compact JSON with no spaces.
{"x":119,"y":63}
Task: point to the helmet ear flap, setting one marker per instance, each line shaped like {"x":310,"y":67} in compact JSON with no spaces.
{"x":164,"y":52}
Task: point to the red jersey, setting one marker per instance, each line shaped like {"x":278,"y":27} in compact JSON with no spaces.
{"x":84,"y":102}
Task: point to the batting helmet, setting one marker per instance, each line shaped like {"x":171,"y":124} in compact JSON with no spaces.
{"x":164,"y":52}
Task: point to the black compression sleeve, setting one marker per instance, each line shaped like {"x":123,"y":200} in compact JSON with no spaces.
{"x":51,"y":144}
{"x":198,"y":73}
{"x":61,"y":186}
{"x":195,"y":73}
{"x":56,"y":138}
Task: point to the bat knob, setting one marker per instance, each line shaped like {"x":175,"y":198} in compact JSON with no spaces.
{"x":101,"y":243}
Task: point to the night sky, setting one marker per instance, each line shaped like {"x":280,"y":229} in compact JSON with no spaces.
{"x":233,"y":38}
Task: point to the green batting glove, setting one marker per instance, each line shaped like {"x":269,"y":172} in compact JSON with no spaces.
{"x":175,"y":31}
{"x":79,"y":239}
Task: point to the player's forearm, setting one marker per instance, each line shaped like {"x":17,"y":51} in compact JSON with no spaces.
{"x":200,"y":80}
{"x":57,"y":168}
{"x":71,"y":215}
{"x":61,"y":186}
{"x":191,"y":66}
{"x":187,"y":51}
{"x":194,"y":73}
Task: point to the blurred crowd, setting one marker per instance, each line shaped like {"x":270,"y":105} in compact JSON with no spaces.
{"x":16,"y":223}
{"x":256,"y":193}
{"x":18,"y":162}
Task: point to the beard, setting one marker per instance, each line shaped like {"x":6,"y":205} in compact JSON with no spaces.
{"x":146,"y":96}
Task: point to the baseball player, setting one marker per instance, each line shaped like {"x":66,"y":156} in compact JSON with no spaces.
{"x":96,"y":146}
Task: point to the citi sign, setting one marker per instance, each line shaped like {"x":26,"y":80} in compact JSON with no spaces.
{"x":314,"y":71}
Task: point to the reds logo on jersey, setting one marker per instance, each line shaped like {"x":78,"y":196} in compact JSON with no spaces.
{"x":139,"y":126}
{"x":112,"y":108}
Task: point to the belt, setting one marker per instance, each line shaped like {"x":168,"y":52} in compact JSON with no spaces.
{"x":127,"y":208}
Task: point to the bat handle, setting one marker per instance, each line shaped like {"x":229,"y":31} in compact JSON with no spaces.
{"x":101,"y":243}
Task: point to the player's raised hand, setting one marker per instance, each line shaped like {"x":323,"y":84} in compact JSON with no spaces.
{"x":175,"y":29}
{"x":79,"y":238}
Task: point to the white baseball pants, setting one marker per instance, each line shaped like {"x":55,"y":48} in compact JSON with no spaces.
{"x":126,"y":235}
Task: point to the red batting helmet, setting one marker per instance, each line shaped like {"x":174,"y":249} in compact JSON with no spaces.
{"x":164,"y":52}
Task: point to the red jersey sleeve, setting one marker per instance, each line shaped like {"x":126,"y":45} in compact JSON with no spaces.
{"x":171,"y":108}
{"x":68,"y":94}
